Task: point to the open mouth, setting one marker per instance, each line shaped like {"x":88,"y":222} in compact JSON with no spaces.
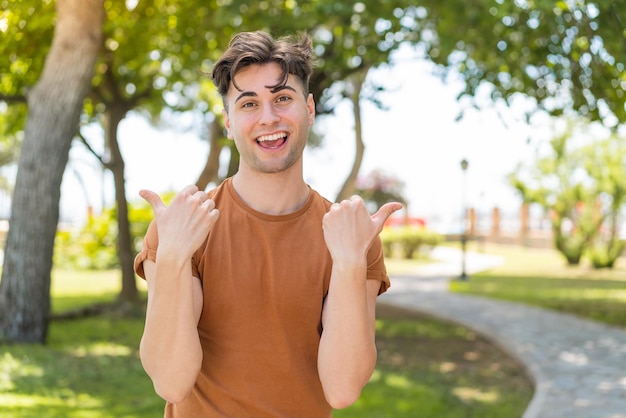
{"x":273,"y":141}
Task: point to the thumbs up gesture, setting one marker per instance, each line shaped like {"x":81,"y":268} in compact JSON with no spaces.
{"x":349,"y":229}
{"x":185,"y":223}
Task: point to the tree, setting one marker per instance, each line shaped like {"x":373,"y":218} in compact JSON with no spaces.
{"x":54,"y":108}
{"x":19,"y":72}
{"x":581,"y":187}
{"x":355,"y":88}
{"x":378,"y":188}
{"x":152,"y":51}
{"x":350,"y":37}
{"x":353,"y":38}
{"x":569,"y":56}
{"x":605,"y":160}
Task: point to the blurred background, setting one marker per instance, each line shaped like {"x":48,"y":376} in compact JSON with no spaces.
{"x":495,"y":122}
{"x":416,"y":138}
{"x":490,"y":118}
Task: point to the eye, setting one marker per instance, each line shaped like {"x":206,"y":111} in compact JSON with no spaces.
{"x":283,"y":99}
{"x":248,"y":105}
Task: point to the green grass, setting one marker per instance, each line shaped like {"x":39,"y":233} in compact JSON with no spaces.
{"x":91,"y":369}
{"x":541,"y":277}
{"x":427,"y":368}
{"x":72,"y":289}
{"x":90,"y":366}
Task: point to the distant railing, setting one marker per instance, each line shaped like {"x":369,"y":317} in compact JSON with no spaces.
{"x":528,"y":227}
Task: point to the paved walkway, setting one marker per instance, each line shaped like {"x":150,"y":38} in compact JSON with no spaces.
{"x":578,"y":366}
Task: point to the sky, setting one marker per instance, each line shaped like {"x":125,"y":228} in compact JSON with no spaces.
{"x":416,"y":139}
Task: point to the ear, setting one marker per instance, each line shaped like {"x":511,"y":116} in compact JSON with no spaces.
{"x":310,"y":104}
{"x":227,"y":124}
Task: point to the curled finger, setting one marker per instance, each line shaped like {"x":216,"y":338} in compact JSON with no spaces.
{"x":192,"y":189}
{"x":209,"y":203}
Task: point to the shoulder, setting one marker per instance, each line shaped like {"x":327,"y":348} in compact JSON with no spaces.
{"x":320,"y":201}
{"x":224,"y":195}
{"x":220,"y":189}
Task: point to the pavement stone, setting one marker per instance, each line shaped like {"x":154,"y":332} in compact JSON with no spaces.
{"x":578,"y":366}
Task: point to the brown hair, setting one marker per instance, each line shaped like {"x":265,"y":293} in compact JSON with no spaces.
{"x":293,"y":54}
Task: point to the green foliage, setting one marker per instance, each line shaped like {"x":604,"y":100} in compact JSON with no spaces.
{"x":21,"y":61}
{"x":408,"y":241}
{"x":157,"y":54}
{"x":93,"y":246}
{"x":606,"y":255}
{"x":583,"y":188}
{"x":606,"y":161}
{"x":26,"y":31}
{"x":571,"y":247}
{"x":153,"y":50}
{"x":566,"y":55}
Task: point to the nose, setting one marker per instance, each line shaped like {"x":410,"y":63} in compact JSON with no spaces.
{"x":268,"y":115}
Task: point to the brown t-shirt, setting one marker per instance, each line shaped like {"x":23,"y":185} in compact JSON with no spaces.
{"x":264,"y":280}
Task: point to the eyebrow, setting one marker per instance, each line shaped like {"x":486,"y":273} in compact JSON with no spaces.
{"x":245,"y":94}
{"x":280,"y":88}
{"x":273,"y":90}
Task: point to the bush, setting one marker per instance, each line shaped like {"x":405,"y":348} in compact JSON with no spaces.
{"x":408,"y":241}
{"x":605,"y":256}
{"x":91,"y":247}
{"x":94,"y":246}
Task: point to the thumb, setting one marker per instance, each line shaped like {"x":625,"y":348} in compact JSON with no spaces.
{"x":385,"y":211}
{"x":153,"y":199}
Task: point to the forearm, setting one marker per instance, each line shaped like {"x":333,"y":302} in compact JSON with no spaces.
{"x":170,"y":347}
{"x":347,"y":352}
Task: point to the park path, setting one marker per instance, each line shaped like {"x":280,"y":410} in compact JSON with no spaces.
{"x":578,"y":366}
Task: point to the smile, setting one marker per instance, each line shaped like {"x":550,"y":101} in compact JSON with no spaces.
{"x":273,"y":141}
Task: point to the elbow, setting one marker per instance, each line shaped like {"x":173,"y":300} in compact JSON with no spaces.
{"x":343,"y":393}
{"x":171,"y":394}
{"x":342,"y":399}
{"x":172,"y":382}
{"x":175,"y":388}
{"x":342,"y":389}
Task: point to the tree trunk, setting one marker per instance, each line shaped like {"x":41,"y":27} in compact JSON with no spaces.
{"x":211,"y":169}
{"x":125,"y":251}
{"x":233,"y":163}
{"x":54,"y":108}
{"x":349,"y":185}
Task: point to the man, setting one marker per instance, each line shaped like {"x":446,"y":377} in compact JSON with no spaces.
{"x":261,"y":293}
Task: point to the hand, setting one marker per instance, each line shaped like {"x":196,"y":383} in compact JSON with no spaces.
{"x":185,"y":223}
{"x":349,"y":229}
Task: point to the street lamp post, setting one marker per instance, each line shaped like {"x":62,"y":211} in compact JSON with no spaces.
{"x":464,"y":166}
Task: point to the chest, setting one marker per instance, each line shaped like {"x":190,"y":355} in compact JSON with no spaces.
{"x":258,"y":275}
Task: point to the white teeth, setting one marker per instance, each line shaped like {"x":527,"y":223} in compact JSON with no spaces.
{"x":273,"y":137}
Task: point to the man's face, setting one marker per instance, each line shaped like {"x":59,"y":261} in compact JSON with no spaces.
{"x":270,"y":127}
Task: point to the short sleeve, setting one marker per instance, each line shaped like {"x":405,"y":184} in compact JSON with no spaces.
{"x":376,"y":269}
{"x":148,"y":251}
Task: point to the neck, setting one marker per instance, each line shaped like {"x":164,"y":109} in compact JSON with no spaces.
{"x":271,"y":193}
